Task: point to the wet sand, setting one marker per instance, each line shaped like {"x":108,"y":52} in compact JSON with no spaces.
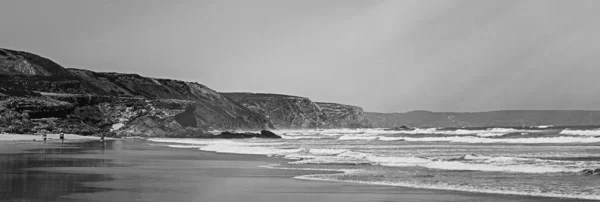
{"x":135,"y":170}
{"x":19,"y":143}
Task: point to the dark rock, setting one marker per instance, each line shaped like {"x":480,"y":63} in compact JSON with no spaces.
{"x":401,"y":128}
{"x":187,"y":118}
{"x":232,"y":135}
{"x":269,"y":134}
{"x":587,"y":171}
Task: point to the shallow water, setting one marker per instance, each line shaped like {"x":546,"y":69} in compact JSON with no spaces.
{"x":544,"y":161}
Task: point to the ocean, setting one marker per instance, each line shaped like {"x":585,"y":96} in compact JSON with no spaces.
{"x":535,"y":161}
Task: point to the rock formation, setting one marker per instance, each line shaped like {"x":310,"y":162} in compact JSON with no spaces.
{"x":344,"y":116}
{"x":39,"y":95}
{"x":286,"y":111}
{"x":94,"y":98}
{"x":232,"y":135}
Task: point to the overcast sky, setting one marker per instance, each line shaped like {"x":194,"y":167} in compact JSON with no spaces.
{"x":386,"y":56}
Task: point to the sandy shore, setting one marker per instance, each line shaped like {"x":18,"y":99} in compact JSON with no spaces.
{"x":19,"y":143}
{"x":138,"y":170}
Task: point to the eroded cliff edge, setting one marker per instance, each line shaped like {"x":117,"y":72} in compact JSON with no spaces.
{"x":293,"y":112}
{"x":344,"y":116}
{"x":39,"y":95}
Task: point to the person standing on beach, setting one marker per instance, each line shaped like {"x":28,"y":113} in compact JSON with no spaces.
{"x":62,"y":138}
{"x":44,"y":137}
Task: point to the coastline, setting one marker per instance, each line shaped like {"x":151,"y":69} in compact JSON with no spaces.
{"x":23,"y":143}
{"x":133,"y":169}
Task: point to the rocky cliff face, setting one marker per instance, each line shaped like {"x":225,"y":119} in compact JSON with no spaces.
{"x":284,"y":111}
{"x":22,"y":63}
{"x":31,"y":78}
{"x":43,"y":96}
{"x":344,"y":116}
{"x":213,"y":110}
{"x":510,"y":118}
{"x":101,"y":115}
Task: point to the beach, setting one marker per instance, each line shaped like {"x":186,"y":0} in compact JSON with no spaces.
{"x":139,"y":170}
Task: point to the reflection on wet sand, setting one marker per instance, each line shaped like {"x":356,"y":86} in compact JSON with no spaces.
{"x":19,"y":184}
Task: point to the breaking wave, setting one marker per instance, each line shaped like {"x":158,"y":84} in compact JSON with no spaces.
{"x":501,"y":153}
{"x":472,"y":139}
{"x":595,"y":132}
{"x":357,"y":137}
{"x":467,"y":162}
{"x":348,"y":178}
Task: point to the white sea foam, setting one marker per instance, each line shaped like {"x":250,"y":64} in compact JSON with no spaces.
{"x":472,"y":139}
{"x":327,"y":152}
{"x":332,"y":160}
{"x":300,"y":137}
{"x":183,"y":146}
{"x":490,"y":134}
{"x":235,"y":149}
{"x":279,"y":166}
{"x":311,"y":153}
{"x":478,"y":163}
{"x":487,"y":132}
{"x":446,"y":186}
{"x":468,"y":162}
{"x":357,"y":137}
{"x":346,"y":134}
{"x":230,"y":146}
{"x":336,"y":132}
{"x":595,"y":132}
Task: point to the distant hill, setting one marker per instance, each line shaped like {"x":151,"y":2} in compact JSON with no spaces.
{"x":506,"y":118}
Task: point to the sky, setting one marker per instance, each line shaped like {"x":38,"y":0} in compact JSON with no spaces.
{"x":382,"y":55}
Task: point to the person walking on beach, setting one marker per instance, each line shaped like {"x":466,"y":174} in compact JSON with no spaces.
{"x":102,"y":143}
{"x":62,"y":138}
{"x":44,"y":137}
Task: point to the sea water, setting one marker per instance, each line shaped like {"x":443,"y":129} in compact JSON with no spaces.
{"x":535,"y":161}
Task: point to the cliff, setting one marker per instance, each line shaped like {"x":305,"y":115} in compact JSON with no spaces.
{"x":92,"y":102}
{"x":284,"y":111}
{"x":213,"y":110}
{"x":344,"y":116}
{"x":293,"y":112}
{"x":98,"y":115}
{"x":508,"y":118}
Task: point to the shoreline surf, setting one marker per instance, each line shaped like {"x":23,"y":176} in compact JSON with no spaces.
{"x":133,"y":168}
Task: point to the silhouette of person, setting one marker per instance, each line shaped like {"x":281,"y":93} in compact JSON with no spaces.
{"x":62,"y":138}
{"x":44,"y":137}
